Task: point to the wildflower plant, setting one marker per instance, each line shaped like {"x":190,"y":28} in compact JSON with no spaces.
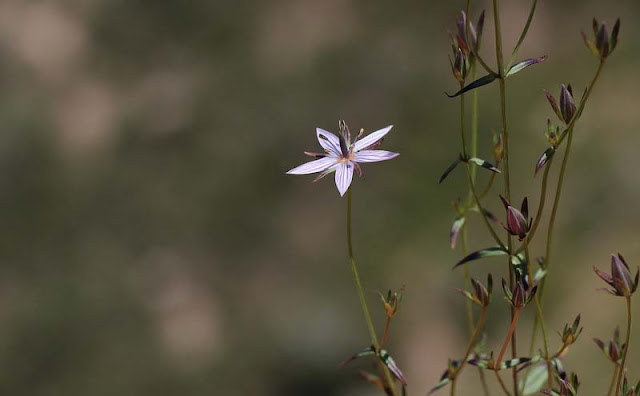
{"x":540,"y":369}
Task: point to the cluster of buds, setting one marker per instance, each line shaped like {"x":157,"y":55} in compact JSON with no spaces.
{"x":630,"y":390}
{"x":620,"y":278}
{"x":552,"y":133}
{"x":462,"y":52}
{"x":570,"y":333}
{"x":518,"y":222}
{"x":567,"y":108}
{"x":392,"y":302}
{"x":604,"y":44}
{"x":613,"y":350}
{"x":481,"y":295}
{"x":521,"y":295}
{"x":568,"y":387}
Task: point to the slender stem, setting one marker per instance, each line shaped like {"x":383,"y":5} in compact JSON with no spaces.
{"x":474,"y":153}
{"x":502,"y":385}
{"x":626,"y":345}
{"x":568,"y":132}
{"x":472,"y":342}
{"x":462,"y":137}
{"x":474,"y":50}
{"x":512,"y":328}
{"x":507,"y":182}
{"x":532,"y":11}
{"x":483,"y":213}
{"x":363,"y":301}
{"x":541,"y":201}
{"x":539,"y":316}
{"x":467,"y":281}
{"x":613,"y":379}
{"x":385,"y":333}
{"x":487,"y":188}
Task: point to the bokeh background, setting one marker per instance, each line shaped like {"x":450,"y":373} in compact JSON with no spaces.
{"x":151,"y":243}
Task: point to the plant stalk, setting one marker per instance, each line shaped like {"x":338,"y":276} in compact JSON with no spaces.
{"x":626,"y":345}
{"x":363,"y":301}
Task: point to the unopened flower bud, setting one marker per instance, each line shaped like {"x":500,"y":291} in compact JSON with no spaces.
{"x":567,"y":104}
{"x":604,"y":43}
{"x":620,"y":278}
{"x":517,"y":223}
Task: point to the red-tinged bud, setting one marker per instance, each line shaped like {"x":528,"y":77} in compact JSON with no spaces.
{"x":519,"y":296}
{"x":483,"y":294}
{"x":567,"y":104}
{"x":517,"y":223}
{"x":603,"y":44}
{"x":620,"y":278}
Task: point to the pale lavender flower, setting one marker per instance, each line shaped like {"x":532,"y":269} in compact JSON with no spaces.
{"x":342,"y":156}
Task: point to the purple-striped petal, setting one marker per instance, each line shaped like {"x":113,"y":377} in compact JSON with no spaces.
{"x":371,"y":138}
{"x":328,"y":141}
{"x":374,"y":155}
{"x":318,"y":165}
{"x":344,"y":175}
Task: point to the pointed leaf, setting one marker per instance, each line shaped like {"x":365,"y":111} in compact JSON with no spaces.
{"x":613,"y":41}
{"x":455,"y":230}
{"x":372,"y":378}
{"x":513,"y":363}
{"x":443,"y":382}
{"x":391,"y":365}
{"x":365,"y":352}
{"x":544,"y":158}
{"x":476,"y":84}
{"x":488,"y":252}
{"x":484,"y":164}
{"x":450,"y":169}
{"x":524,"y":64}
{"x":534,"y":381}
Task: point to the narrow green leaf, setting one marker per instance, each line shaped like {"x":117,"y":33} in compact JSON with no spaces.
{"x":488,"y":252}
{"x":450,"y":169}
{"x":513,"y":363}
{"x":455,"y":230}
{"x":392,"y":366}
{"x":524,"y":64}
{"x":534,"y":381}
{"x":484,"y":164}
{"x":525,"y":30}
{"x":544,"y":158}
{"x":489,"y":78}
{"x":365,"y":352}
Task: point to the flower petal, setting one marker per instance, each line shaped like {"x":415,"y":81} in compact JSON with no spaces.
{"x":374,"y":155}
{"x":318,"y":165}
{"x":328,"y":141}
{"x":371,"y":139}
{"x":344,"y":175}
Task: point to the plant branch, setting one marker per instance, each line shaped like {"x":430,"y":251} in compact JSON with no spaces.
{"x":363,"y":301}
{"x":626,"y":345}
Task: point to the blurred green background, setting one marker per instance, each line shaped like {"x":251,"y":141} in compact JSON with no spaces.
{"x":151,"y":243}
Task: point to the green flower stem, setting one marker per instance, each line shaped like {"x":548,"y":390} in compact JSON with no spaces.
{"x":568,"y":132}
{"x":507,"y":180}
{"x":474,"y":153}
{"x":539,"y":317}
{"x":482,"y":211}
{"x":472,"y":342}
{"x":363,"y":301}
{"x":626,"y":345}
{"x":474,"y":50}
{"x":613,"y":379}
{"x":512,"y":329}
{"x":502,"y":385}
